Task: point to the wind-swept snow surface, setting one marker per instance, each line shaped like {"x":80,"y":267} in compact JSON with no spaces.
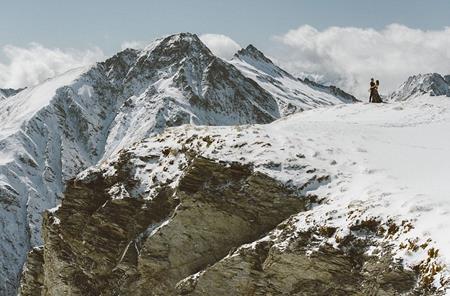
{"x":383,"y":162}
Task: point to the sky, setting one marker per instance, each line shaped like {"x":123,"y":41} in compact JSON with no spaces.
{"x":43,"y":38}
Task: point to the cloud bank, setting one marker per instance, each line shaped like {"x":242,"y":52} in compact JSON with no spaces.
{"x":345,"y":56}
{"x":349,"y":56}
{"x":220,"y":45}
{"x":26,"y":66}
{"x":133,"y":44}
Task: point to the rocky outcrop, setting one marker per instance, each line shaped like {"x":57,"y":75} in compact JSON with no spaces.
{"x":9,"y":92}
{"x":304,"y":264}
{"x":99,"y":245}
{"x":33,"y":274}
{"x":223,"y":230}
{"x":433,"y":84}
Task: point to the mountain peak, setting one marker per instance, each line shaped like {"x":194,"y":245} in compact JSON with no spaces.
{"x":184,"y":41}
{"x":252,"y":52}
{"x":254,"y":57}
{"x":183,"y":37}
{"x":433,"y":84}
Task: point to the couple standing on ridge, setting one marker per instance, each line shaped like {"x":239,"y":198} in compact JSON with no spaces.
{"x":374,"y":95}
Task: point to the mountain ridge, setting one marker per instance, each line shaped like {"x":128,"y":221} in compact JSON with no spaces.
{"x":293,"y":94}
{"x":84,"y":116}
{"x":433,"y":84}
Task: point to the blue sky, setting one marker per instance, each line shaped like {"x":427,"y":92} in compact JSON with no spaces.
{"x":106,"y":24}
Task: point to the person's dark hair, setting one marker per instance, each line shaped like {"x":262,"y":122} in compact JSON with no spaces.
{"x":371,"y":79}
{"x":377,"y":82}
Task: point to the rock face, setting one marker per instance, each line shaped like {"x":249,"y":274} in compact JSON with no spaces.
{"x":8,"y":92}
{"x":99,"y":245}
{"x":433,"y":84}
{"x":305,"y":265}
{"x":33,"y":279}
{"x":220,"y":232}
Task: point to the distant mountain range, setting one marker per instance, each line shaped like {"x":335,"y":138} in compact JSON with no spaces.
{"x":433,"y":84}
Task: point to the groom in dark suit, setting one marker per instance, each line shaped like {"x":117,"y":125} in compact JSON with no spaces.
{"x":372,"y":89}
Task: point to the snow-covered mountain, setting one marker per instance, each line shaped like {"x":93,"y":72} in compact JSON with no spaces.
{"x":293,"y":94}
{"x":433,"y":84}
{"x":175,"y":198}
{"x":52,"y":131}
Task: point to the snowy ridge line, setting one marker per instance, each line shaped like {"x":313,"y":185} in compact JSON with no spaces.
{"x":292,"y":93}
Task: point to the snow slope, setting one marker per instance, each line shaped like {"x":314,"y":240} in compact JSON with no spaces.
{"x":23,"y":106}
{"x":386,"y":162}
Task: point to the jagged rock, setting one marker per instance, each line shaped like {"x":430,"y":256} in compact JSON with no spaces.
{"x":304,"y":264}
{"x":95,"y":244}
{"x":33,"y":273}
{"x":9,"y":92}
{"x":433,"y":84}
{"x":447,"y":79}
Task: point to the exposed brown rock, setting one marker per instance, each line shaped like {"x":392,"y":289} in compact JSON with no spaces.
{"x":224,"y":230}
{"x":97,"y":245}
{"x":305,"y":265}
{"x":33,"y":275}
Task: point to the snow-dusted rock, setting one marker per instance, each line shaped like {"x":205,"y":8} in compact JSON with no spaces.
{"x":433,"y":84}
{"x":96,"y":243}
{"x":8,"y":92}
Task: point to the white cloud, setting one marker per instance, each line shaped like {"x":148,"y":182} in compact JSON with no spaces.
{"x":220,"y":45}
{"x":345,"y":56}
{"x":31,"y":65}
{"x":133,"y":44}
{"x":349,"y":56}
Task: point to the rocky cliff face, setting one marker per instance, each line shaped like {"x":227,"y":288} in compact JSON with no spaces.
{"x":99,"y":244}
{"x":8,"y":92}
{"x":224,"y":229}
{"x":303,"y":265}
